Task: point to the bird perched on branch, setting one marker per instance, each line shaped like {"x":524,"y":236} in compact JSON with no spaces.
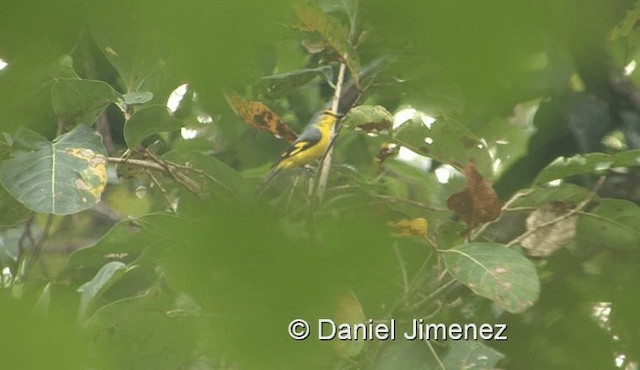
{"x":312,"y":143}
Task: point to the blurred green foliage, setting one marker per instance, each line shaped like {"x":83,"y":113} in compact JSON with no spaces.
{"x":183,"y":265}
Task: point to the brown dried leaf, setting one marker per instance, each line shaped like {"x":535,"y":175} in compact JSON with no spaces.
{"x":478,"y":202}
{"x":259,"y":116}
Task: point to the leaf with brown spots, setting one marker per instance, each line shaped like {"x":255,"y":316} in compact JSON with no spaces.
{"x":369,"y":118}
{"x":496,"y":272}
{"x":259,"y":116}
{"x":61,"y":177}
{"x":478,"y":202}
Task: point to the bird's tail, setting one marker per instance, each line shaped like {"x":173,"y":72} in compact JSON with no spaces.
{"x":264,"y":185}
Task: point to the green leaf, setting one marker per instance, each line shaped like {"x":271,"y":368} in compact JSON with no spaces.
{"x":92,"y":291}
{"x":614,"y":223}
{"x":13,"y":212}
{"x":628,"y":24}
{"x":27,"y":140}
{"x":471,"y":355}
{"x":63,"y":177}
{"x":403,"y":354}
{"x":369,"y":118}
{"x":137,"y":98}
{"x":446,"y":141}
{"x":81,"y":101}
{"x":587,"y":163}
{"x":148,"y":121}
{"x":44,"y":301}
{"x":493,"y":271}
{"x":9,"y":248}
{"x":566,"y":193}
{"x":63,"y":68}
{"x":126,"y":241}
{"x":331,"y":30}
{"x":152,"y":331}
{"x":279,"y":85}
{"x":223,"y":180}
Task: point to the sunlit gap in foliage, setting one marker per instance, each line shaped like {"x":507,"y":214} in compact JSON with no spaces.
{"x":444,"y":172}
{"x":188,"y":133}
{"x":3,"y":64}
{"x":176,"y":97}
{"x":173,"y":104}
{"x":629,"y":68}
{"x":407,"y":155}
{"x":601,"y":312}
{"x":7,"y":277}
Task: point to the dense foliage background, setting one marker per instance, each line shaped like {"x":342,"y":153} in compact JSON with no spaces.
{"x":488,"y":174}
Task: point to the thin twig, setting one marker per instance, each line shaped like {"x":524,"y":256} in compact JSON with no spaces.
{"x":403,"y":269}
{"x":37,"y":248}
{"x":435,"y":355}
{"x":26,"y":234}
{"x":325,"y":164}
{"x":504,"y":208}
{"x":165,"y":195}
{"x":393,"y":199}
{"x":137,"y":163}
{"x":565,"y":216}
{"x":201,"y":173}
{"x":162,"y":166}
{"x":176,"y":175}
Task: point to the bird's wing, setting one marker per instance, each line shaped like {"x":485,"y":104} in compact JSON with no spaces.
{"x":309,"y":137}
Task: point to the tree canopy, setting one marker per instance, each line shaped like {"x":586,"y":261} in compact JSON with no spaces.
{"x":484,"y":173}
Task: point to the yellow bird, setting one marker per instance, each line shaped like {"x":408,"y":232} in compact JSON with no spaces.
{"x":312,"y":143}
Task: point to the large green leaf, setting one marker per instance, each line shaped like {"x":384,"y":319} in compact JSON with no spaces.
{"x":91,"y":291}
{"x":587,"y":163}
{"x":566,"y":193}
{"x":493,"y":271}
{"x":276,"y":86}
{"x":126,"y":241}
{"x":446,"y":141}
{"x":27,"y":140}
{"x":151,"y":331}
{"x":81,"y":101}
{"x":471,"y":355}
{"x":62,"y":177}
{"x":614,"y":223}
{"x":148,"y":121}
